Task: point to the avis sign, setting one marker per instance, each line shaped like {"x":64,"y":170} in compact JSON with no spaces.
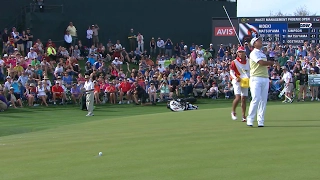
{"x":224,"y":31}
{"x":305,"y":25}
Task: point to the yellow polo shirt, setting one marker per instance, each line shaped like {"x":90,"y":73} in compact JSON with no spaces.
{"x":257,"y":70}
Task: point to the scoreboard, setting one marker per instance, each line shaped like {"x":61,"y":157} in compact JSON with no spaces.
{"x":293,"y":30}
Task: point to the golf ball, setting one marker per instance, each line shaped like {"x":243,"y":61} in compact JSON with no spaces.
{"x":100,"y":153}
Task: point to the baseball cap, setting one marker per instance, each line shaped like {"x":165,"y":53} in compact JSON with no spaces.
{"x":241,"y":49}
{"x":253,"y":40}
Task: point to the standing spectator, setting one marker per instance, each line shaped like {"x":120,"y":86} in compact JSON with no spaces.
{"x":161,"y":46}
{"x":68,"y":40}
{"x":132,"y":40}
{"x":89,"y":36}
{"x":140,"y":41}
{"x":19,"y":41}
{"x":153,"y":48}
{"x":30,"y":39}
{"x":95,"y":36}
{"x":73,"y":32}
{"x":221,"y":51}
{"x":168,"y":47}
{"x":5,"y":38}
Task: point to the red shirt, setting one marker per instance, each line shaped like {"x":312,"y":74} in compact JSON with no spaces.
{"x":125,"y":86}
{"x":116,"y":54}
{"x":58,"y":89}
{"x":234,"y":67}
{"x":111,"y":89}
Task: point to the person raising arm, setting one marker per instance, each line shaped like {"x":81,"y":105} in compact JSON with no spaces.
{"x":259,"y":83}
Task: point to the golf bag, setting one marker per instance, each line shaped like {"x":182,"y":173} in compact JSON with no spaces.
{"x":178,"y":105}
{"x":83,"y":105}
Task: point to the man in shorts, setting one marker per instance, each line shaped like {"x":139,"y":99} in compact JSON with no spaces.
{"x":239,"y":69}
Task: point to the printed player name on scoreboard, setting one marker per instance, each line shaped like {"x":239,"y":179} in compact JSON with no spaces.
{"x":297,"y":36}
{"x":294,"y":30}
{"x":268,"y":30}
{"x":295,"y":41}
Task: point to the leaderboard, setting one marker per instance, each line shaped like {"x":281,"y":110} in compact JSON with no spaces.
{"x":285,"y":30}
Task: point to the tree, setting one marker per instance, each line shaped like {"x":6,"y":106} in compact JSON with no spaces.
{"x":300,"y":11}
{"x":303,"y":11}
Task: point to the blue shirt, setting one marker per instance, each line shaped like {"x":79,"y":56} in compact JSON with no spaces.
{"x":3,"y":99}
{"x":186,"y":75}
{"x":168,"y":45}
{"x":91,"y":60}
{"x":16,"y":88}
{"x":97,"y":65}
{"x":67,"y":79}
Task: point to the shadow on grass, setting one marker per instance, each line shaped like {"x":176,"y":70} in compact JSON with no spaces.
{"x":294,"y":126}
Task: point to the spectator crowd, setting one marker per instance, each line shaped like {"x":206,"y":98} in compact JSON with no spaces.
{"x":35,"y":72}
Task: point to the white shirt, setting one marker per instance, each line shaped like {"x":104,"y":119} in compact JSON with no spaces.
{"x":162,"y":69}
{"x":116,"y":62}
{"x":7,"y":85}
{"x":48,"y":82}
{"x":41,"y":91}
{"x":23,"y":80}
{"x":68,"y":38}
{"x":32,"y":55}
{"x":89,"y":34}
{"x":140,"y":39}
{"x":58,"y":70}
{"x":1,"y":65}
{"x":160,"y":44}
{"x":287,"y":77}
{"x":118,"y":46}
{"x":199,"y":60}
{"x":88,"y":85}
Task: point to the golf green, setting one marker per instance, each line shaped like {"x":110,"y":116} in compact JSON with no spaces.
{"x":153,"y":143}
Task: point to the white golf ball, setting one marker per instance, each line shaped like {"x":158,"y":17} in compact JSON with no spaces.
{"x":100,"y":153}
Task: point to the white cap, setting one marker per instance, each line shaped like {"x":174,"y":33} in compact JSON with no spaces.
{"x":116,"y":58}
{"x":311,"y":69}
{"x":5,"y":55}
{"x":185,"y":46}
{"x":16,"y":49}
{"x":253,"y":40}
{"x":202,"y":69}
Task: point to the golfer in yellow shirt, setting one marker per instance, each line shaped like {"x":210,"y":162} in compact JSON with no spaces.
{"x":259,"y":83}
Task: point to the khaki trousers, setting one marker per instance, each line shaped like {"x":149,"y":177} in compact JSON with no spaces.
{"x":89,"y":102}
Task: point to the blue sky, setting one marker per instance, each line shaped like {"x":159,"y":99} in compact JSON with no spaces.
{"x":263,"y":7}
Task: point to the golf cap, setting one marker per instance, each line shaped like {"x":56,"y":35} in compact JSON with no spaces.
{"x":8,"y":77}
{"x":241,"y":49}
{"x":311,"y":69}
{"x":16,"y":49}
{"x":284,"y":67}
{"x":86,"y":77}
{"x":5,"y":55}
{"x":253,"y":40}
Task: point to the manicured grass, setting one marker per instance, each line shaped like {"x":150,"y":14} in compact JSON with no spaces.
{"x":153,"y":143}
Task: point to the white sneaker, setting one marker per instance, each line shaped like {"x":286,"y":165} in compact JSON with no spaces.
{"x":317,"y":99}
{"x":244,"y":120}
{"x":312,"y":99}
{"x":128,"y":102}
{"x":233,"y":116}
{"x":90,"y":115}
{"x":120,"y":102}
